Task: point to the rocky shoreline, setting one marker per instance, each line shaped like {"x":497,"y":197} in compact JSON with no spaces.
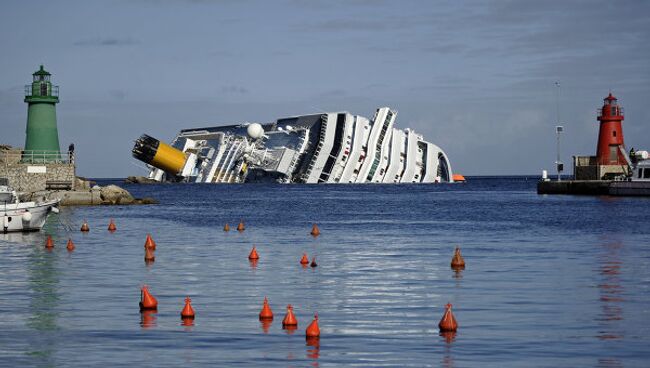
{"x":107,"y":195}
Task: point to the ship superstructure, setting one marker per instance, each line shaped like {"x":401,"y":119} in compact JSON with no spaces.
{"x":334,"y":147}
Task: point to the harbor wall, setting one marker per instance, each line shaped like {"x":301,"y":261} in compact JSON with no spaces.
{"x":36,"y":177}
{"x":594,"y":187}
{"x":586,"y":187}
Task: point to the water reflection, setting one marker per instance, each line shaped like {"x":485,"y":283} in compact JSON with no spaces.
{"x":266,"y":324}
{"x":458,"y":274}
{"x":188,"y":323}
{"x":313,"y":349}
{"x":148,"y":319}
{"x":43,"y":281}
{"x":289,"y":329}
{"x":611,"y":298}
{"x":449,"y":337}
{"x":611,"y":292}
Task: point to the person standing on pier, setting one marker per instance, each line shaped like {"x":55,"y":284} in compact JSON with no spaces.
{"x":71,"y":152}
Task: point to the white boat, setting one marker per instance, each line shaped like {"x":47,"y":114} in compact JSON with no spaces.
{"x":23,"y":216}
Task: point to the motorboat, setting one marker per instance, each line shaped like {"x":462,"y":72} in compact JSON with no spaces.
{"x":23,"y":216}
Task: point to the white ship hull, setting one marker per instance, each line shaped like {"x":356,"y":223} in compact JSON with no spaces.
{"x":335,"y":147}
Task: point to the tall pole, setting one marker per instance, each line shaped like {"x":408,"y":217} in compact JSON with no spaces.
{"x":558,"y":128}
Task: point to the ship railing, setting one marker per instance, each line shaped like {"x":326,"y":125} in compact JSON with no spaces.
{"x":8,"y":157}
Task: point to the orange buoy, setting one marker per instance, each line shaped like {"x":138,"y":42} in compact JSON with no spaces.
{"x":458,"y":178}
{"x":313,"y":331}
{"x":304,"y":260}
{"x":315,"y":231}
{"x":289,"y":318}
{"x":188,"y":311}
{"x":241,"y":226}
{"x":111,"y":226}
{"x":266,"y":312}
{"x":49,"y":243}
{"x":149,"y":243}
{"x":70,"y":245}
{"x":253,"y":256}
{"x":84,"y":227}
{"x":313,"y":262}
{"x":226,"y":227}
{"x":187,"y":322}
{"x":147,"y":301}
{"x":448,"y":321}
{"x":457,"y":262}
{"x":149,"y":255}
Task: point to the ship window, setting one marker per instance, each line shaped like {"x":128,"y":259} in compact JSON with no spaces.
{"x":646,"y":173}
{"x":639,"y":175}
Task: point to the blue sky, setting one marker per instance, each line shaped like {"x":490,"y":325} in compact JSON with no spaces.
{"x":476,"y":78}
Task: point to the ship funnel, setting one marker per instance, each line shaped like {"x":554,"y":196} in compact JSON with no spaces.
{"x":159,"y":154}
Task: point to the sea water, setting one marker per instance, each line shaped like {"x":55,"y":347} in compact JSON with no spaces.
{"x":551,"y":281}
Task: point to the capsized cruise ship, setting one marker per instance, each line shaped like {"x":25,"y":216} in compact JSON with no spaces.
{"x":335,"y":147}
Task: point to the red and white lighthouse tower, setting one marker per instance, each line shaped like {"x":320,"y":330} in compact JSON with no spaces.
{"x":610,"y":137}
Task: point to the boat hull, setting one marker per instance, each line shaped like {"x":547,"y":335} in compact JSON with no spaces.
{"x":25,"y":216}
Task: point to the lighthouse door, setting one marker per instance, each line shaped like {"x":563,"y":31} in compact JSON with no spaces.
{"x":613,"y":153}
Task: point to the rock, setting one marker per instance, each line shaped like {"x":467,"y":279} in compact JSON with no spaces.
{"x":145,"y":200}
{"x":83,"y":183}
{"x":140,"y":180}
{"x":115,"y":195}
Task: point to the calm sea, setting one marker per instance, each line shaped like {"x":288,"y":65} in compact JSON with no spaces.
{"x":551,"y":281}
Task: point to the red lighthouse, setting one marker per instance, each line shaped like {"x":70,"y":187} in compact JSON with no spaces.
{"x":610,"y":137}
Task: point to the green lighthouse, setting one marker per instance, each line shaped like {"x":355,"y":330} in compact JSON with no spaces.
{"x":42,"y":140}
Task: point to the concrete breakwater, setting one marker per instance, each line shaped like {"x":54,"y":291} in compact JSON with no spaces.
{"x":594,"y":187}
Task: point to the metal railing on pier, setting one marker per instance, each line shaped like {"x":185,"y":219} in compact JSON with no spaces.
{"x":8,"y":157}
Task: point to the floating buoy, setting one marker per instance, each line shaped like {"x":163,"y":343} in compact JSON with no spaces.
{"x":253,"y":256}
{"x":149,"y":243}
{"x":315,"y":231}
{"x":226,"y":227}
{"x":111,"y":226}
{"x":304,"y":260}
{"x":187,"y":322}
{"x":313,"y":262}
{"x":70,"y":245}
{"x":147,"y":301}
{"x":457,"y":261}
{"x":313,"y":331}
{"x":84,"y":227}
{"x":448,"y":321}
{"x":241,"y":226}
{"x":49,"y":243}
{"x":149,"y":255}
{"x":458,"y":178}
{"x":289,"y":318}
{"x":266,"y":313}
{"x":188,"y":311}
